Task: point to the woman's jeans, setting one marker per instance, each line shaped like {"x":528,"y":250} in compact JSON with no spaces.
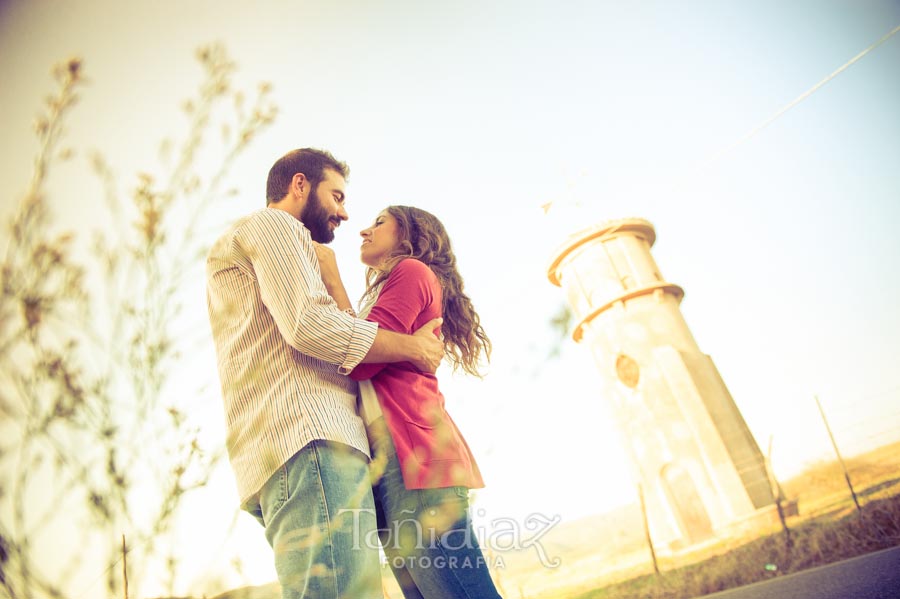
{"x":426,"y":534}
{"x":315,"y":508}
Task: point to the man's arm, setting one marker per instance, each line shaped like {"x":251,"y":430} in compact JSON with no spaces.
{"x":281,"y":257}
{"x":423,"y":348}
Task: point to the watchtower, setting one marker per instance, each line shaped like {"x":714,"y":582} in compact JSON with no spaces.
{"x":700,"y":468}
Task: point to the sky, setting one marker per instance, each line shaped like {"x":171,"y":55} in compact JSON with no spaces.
{"x":483,"y":113}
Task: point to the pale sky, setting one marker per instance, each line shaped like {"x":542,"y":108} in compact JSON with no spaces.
{"x":481,"y":112}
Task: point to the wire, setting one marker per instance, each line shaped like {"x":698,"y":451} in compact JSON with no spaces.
{"x":548,"y":206}
{"x":796,"y":101}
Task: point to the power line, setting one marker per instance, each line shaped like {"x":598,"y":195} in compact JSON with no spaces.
{"x":716,"y":157}
{"x":546,"y":207}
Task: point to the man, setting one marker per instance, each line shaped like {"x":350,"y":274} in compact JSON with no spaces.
{"x":296,"y":444}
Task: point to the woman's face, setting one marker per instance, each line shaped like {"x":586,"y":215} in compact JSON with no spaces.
{"x":379,"y":240}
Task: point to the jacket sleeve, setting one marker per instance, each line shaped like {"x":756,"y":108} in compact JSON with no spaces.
{"x":408,"y":291}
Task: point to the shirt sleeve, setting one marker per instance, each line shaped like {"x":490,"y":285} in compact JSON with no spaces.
{"x":409,"y":289}
{"x":286,"y":268}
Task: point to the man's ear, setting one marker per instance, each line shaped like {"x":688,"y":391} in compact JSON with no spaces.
{"x":300,"y":184}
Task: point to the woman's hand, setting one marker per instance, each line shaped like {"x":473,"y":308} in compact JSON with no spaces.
{"x":331,"y":276}
{"x":327,"y":264}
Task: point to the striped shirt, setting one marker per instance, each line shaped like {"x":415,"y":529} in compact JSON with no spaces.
{"x":283,"y":347}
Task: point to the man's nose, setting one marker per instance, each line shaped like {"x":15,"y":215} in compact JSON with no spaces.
{"x":342,"y":213}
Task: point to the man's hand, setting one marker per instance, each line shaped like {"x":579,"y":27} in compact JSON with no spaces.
{"x":431,"y":348}
{"x":423,"y":349}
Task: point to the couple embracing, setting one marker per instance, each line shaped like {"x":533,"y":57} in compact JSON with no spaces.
{"x":337,"y":430}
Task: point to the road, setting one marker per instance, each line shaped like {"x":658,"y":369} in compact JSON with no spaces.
{"x":872,"y":576}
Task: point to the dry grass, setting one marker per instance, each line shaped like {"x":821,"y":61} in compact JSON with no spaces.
{"x":604,"y":556}
{"x":828,"y":529}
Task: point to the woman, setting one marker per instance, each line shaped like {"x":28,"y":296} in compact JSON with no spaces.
{"x":421,"y":496}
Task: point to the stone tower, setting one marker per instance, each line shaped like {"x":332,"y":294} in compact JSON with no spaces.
{"x":701,"y":471}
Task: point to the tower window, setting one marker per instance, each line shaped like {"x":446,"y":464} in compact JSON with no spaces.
{"x":628,"y":371}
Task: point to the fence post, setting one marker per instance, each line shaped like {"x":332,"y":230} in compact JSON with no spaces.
{"x":838,"y":453}
{"x":778,"y":493}
{"x":647,"y":528}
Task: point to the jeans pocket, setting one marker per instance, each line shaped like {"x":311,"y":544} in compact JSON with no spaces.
{"x":434,"y":497}
{"x":443,"y":509}
{"x":274,"y":494}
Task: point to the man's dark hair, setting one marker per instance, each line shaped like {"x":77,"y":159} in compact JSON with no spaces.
{"x":310,"y":162}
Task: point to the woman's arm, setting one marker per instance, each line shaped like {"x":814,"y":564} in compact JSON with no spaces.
{"x":332,"y":277}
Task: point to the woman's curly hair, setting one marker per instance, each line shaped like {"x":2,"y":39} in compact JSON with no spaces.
{"x":423,"y":237}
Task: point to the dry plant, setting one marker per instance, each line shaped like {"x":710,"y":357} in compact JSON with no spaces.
{"x":95,"y":441}
{"x":825,"y":537}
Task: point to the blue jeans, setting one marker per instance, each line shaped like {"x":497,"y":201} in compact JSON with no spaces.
{"x":315,"y":510}
{"x":426,"y":534}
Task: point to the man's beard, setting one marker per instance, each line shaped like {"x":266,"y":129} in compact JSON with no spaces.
{"x":316,"y":219}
